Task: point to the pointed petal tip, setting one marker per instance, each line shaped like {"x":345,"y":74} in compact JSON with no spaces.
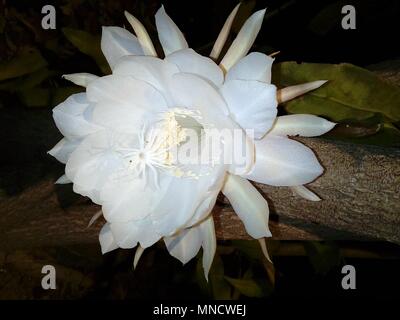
{"x":138,"y":255}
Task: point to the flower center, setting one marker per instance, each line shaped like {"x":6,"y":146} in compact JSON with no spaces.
{"x":158,"y":146}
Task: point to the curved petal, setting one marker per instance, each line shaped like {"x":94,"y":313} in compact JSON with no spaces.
{"x":304,"y":125}
{"x":151,"y":70}
{"x":252,"y":104}
{"x":106,"y":239}
{"x":117,"y":42}
{"x":63,"y":149}
{"x":305,"y":193}
{"x":195,"y":93}
{"x":249,"y":205}
{"x":126,"y":90}
{"x":292,"y":92}
{"x":63,"y":180}
{"x":184,"y":198}
{"x":80,"y":79}
{"x":70,"y":120}
{"x":128,"y":234}
{"x":142,"y":35}
{"x":244,"y":40}
{"x":283,"y":162}
{"x":138,"y":254}
{"x":91,"y":164}
{"x":185,"y":245}
{"x":187,"y":60}
{"x":128,"y":198}
{"x":170,"y":36}
{"x":223,"y":35}
{"x":206,"y":206}
{"x":255,"y":66}
{"x":209,"y":243}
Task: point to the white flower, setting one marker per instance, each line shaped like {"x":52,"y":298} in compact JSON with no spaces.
{"x":119,"y":136}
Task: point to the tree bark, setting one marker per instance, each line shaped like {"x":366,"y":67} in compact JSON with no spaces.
{"x":360,"y":190}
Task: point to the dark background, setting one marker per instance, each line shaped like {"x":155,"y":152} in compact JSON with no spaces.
{"x":308,"y":31}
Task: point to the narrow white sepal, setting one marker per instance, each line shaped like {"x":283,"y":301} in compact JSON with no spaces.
{"x":244,"y":40}
{"x":142,"y":35}
{"x":304,"y":125}
{"x":305,"y":193}
{"x":138,"y":255}
{"x":209,"y":243}
{"x":292,"y":92}
{"x":264,"y":249}
{"x":171,"y":38}
{"x":106,"y":239}
{"x":63,"y":180}
{"x":80,"y":79}
{"x":94,"y":218}
{"x":223,"y":35}
{"x":249,"y":205}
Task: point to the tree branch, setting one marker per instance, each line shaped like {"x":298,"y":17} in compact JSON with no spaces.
{"x":360,"y":191}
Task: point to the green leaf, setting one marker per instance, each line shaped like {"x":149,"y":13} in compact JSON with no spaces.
{"x":27,"y":81}
{"x":27,"y":61}
{"x":88,"y":44}
{"x":35,"y":97}
{"x":217,"y":286}
{"x":351,"y":93}
{"x":322,"y":255}
{"x":247,"y":287}
{"x":251,"y":248}
{"x":328,"y":18}
{"x":46,"y":97}
{"x":387,"y":136}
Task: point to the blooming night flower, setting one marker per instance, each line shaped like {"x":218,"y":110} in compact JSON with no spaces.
{"x":122,"y":135}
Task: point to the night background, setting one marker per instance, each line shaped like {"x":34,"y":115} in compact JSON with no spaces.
{"x":32,"y":62}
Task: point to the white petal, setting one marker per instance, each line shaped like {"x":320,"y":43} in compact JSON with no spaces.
{"x":187,"y":60}
{"x":142,"y":35}
{"x":283,"y":162}
{"x":193,"y":92}
{"x":124,"y":103}
{"x":292,"y":92}
{"x":185,"y":245}
{"x":223,"y":35}
{"x":209,"y":243}
{"x":244,"y":40}
{"x":127,"y":198}
{"x":304,"y":125}
{"x":249,"y":205}
{"x":184,"y":199}
{"x":91,"y":164}
{"x":106,"y":238}
{"x":70,"y":120}
{"x":255,"y":66}
{"x":128,"y":234}
{"x":206,"y":206}
{"x":305,"y":193}
{"x":252,"y":104}
{"x":63,"y":180}
{"x":170,"y":36}
{"x":80,"y":79}
{"x":63,"y":149}
{"x":154,"y":71}
{"x":117,"y":42}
